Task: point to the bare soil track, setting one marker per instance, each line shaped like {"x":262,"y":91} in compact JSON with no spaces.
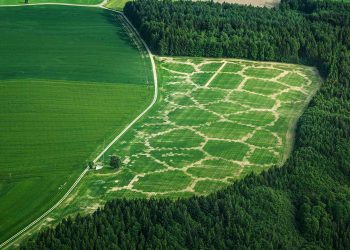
{"x":9,"y":241}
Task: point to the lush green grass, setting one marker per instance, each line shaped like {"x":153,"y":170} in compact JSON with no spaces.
{"x":263,"y":156}
{"x":47,"y":41}
{"x":227,"y":81}
{"x":164,"y":181}
{"x":180,"y":67}
{"x":293,"y":79}
{"x":19,"y":2}
{"x":116,"y":4}
{"x":223,"y":130}
{"x":232,"y":67}
{"x":262,"y":72}
{"x":181,"y":138}
{"x":214,"y":171}
{"x":201,"y":78}
{"x":225,"y":108}
{"x":185,"y":116}
{"x":206,"y":187}
{"x":180,"y":159}
{"x":64,"y":89}
{"x":208,"y":95}
{"x":254,"y":118}
{"x":227,"y":150}
{"x":263,"y":86}
{"x":144,"y":165}
{"x":211,"y":67}
{"x":251,"y":100}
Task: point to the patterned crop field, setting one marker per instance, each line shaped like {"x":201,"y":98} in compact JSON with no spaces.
{"x":215,"y":122}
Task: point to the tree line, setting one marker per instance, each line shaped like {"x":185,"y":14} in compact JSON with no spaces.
{"x":305,"y":203}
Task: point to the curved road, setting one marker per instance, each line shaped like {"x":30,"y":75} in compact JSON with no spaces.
{"x":9,"y":241}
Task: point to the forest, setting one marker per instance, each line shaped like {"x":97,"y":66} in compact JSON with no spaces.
{"x":305,"y":203}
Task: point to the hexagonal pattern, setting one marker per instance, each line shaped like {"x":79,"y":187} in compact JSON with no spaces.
{"x":217,"y":120}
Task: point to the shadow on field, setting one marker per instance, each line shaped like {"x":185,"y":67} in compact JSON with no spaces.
{"x":113,"y":19}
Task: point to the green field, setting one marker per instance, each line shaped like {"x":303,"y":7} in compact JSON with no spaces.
{"x":11,"y":2}
{"x":201,"y":138}
{"x":211,"y":129}
{"x":116,"y":4}
{"x":64,"y":90}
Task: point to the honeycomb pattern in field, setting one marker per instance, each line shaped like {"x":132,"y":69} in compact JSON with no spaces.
{"x":217,"y":121}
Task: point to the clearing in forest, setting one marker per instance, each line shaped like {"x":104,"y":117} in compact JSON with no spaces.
{"x":216,"y":121}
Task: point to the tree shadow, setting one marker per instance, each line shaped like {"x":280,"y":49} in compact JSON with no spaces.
{"x":122,"y":33}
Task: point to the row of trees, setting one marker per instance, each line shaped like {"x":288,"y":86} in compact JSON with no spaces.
{"x":305,"y":203}
{"x":114,"y":162}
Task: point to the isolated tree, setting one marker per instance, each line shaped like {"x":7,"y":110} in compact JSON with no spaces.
{"x":91,"y":164}
{"x":115,"y":161}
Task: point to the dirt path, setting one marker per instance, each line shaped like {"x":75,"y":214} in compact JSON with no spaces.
{"x":9,"y":241}
{"x":216,"y":73}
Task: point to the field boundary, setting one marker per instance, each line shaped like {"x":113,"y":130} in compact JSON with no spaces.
{"x":215,"y":75}
{"x":9,"y":241}
{"x":101,"y":5}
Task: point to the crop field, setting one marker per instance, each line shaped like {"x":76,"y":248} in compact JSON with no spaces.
{"x":64,"y":90}
{"x":216,"y":121}
{"x":11,"y":2}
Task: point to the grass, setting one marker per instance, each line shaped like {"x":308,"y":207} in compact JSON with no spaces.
{"x":19,"y":2}
{"x":226,"y":107}
{"x":227,"y":81}
{"x":181,"y":138}
{"x":226,"y":150}
{"x":292,"y":96}
{"x":144,"y":164}
{"x":64,"y":89}
{"x":251,"y":99}
{"x":262,"y":156}
{"x":199,"y":139}
{"x":263,"y":138}
{"x":178,"y":158}
{"x":214,"y":171}
{"x":232,"y":68}
{"x":208,"y":95}
{"x":162,"y":182}
{"x":185,"y":116}
{"x":294,"y":79}
{"x":265,"y":73}
{"x":201,"y":78}
{"x":180,"y":67}
{"x":116,"y":4}
{"x":254,"y":118}
{"x":223,"y":130}
{"x":207,"y":187}
{"x":263,"y":87}
{"x":211,"y":67}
